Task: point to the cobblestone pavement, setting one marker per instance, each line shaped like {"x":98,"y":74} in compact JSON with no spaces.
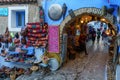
{"x":84,"y":67}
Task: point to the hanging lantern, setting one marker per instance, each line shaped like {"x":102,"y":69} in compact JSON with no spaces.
{"x":108,"y":31}
{"x":104,"y":10}
{"x":71,"y":13}
{"x":64,"y":9}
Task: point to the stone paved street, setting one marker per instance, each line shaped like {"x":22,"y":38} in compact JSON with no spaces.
{"x":91,"y":67}
{"x":118,"y":72}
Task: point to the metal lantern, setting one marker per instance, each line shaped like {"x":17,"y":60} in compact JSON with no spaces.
{"x":104,"y":10}
{"x":64,"y":9}
{"x":71,"y":13}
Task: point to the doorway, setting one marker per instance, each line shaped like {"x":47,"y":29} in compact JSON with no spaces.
{"x":82,"y":23}
{"x":94,"y":31}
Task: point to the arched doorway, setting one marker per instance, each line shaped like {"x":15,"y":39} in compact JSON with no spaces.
{"x":96,"y":15}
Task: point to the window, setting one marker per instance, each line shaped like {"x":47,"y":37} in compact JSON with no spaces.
{"x":20,"y":19}
{"x":17,"y":18}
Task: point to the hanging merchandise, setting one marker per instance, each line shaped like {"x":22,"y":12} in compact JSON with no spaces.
{"x":77,"y":32}
{"x":5,"y":38}
{"x":37,"y":34}
{"x":38,"y":54}
{"x":55,"y":11}
{"x":41,"y":15}
{"x":12,"y":34}
{"x":30,"y":51}
{"x":23,"y":40}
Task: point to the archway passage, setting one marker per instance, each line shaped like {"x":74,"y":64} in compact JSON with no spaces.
{"x":97,"y":53}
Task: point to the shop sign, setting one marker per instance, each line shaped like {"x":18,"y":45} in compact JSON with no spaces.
{"x":53,"y":41}
{"x":3,"y":11}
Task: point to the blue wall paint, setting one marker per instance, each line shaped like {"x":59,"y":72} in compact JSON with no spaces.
{"x":3,"y":11}
{"x":76,"y":4}
{"x":71,"y":4}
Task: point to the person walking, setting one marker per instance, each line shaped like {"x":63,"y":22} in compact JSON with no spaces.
{"x":98,"y":35}
{"x":93,"y":34}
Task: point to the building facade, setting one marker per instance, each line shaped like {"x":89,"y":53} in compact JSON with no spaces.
{"x":16,"y":14}
{"x":61,"y":13}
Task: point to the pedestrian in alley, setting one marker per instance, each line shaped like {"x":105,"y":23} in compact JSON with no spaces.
{"x":82,"y":42}
{"x":93,"y":34}
{"x":98,"y":35}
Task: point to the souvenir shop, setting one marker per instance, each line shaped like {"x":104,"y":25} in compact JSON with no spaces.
{"x":40,"y":44}
{"x":30,"y":46}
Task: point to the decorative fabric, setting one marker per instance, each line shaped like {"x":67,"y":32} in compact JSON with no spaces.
{"x":39,"y":53}
{"x":30,"y":50}
{"x":36,"y":32}
{"x":16,"y":41}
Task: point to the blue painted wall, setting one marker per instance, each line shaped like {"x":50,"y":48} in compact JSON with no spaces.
{"x":75,"y":4}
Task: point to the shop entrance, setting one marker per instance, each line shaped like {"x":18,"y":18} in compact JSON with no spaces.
{"x":85,"y":30}
{"x":85,"y":22}
{"x":80,"y":25}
